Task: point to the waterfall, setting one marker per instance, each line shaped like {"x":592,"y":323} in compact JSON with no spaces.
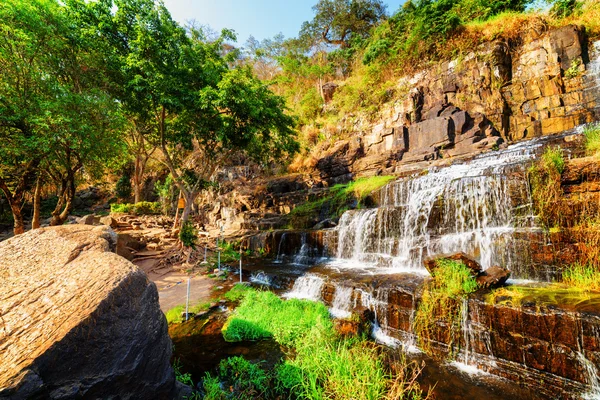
{"x":341,"y":306}
{"x":308,"y":287}
{"x":280,"y":255}
{"x":303,"y":256}
{"x":469,"y":207}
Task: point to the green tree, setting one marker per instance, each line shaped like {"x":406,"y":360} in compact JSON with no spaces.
{"x":338,"y":21}
{"x":200,"y":107}
{"x":54,"y":115}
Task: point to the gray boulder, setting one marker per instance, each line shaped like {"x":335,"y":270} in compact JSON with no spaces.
{"x":79,"y":321}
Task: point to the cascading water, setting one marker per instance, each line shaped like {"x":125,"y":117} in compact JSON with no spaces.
{"x":280,"y":255}
{"x":341,"y":306}
{"x":308,"y":286}
{"x":469,"y":207}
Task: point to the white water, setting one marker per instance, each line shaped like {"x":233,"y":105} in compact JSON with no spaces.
{"x":464,"y":207}
{"x":307,"y":287}
{"x":342,"y":304}
{"x":592,"y":377}
{"x":261,"y":278}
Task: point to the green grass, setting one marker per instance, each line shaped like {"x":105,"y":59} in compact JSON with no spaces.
{"x":319,"y":364}
{"x":553,"y":158}
{"x":592,"y":139}
{"x":264,"y":315}
{"x":237,"y":292}
{"x":339,"y":199}
{"x":584,"y":277}
{"x":174,"y":314}
{"x":442,"y":302}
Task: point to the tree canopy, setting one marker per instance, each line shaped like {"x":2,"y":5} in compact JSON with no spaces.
{"x":338,"y":21}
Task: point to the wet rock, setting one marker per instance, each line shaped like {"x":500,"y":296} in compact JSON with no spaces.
{"x":78,"y":320}
{"x":328,"y":223}
{"x":431,"y":266}
{"x":493,"y":277}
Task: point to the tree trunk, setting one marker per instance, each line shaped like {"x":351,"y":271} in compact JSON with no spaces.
{"x":15,"y":198}
{"x":65,"y":201}
{"x":177,"y":210}
{"x":187,"y":208}
{"x":137,"y":178}
{"x":35,"y":223}
{"x":19,"y":226}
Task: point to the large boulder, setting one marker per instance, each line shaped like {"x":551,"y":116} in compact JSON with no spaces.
{"x":78,"y":321}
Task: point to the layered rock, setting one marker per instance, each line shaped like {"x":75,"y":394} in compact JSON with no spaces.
{"x":501,"y":92}
{"x":78,"y":321}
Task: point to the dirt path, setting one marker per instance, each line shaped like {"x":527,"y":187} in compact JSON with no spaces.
{"x":172,"y":285}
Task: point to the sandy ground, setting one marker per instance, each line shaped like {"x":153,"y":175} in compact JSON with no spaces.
{"x":172,"y":285}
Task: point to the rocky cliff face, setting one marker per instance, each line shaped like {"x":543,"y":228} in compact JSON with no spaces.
{"x":501,"y":93}
{"x":78,"y":321}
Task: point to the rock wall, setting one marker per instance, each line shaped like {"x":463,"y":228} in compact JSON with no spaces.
{"x":78,"y":321}
{"x":499,"y":94}
{"x":548,"y":343}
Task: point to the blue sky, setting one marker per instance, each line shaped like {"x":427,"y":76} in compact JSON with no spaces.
{"x":259,"y":18}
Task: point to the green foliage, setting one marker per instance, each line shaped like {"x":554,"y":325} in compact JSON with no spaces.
{"x":180,"y":376}
{"x":453,"y":278}
{"x":339,"y":21}
{"x":237,"y":292}
{"x":442,"y":301}
{"x":310,"y":105}
{"x":320,"y":364}
{"x":212,"y":388}
{"x":564,"y":8}
{"x":263,"y":314}
{"x":592,"y":139}
{"x":340,"y":198}
{"x":248,"y":380}
{"x":166,"y":193}
{"x":123,"y":188}
{"x":582,"y":276}
{"x":544,"y":179}
{"x":174,"y":314}
{"x":573,"y":70}
{"x":141,"y":208}
{"x":417,"y":29}
{"x":188,"y":234}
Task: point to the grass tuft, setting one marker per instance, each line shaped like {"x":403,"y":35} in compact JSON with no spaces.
{"x":592,"y":139}
{"x":582,"y":276}
{"x":174,"y":314}
{"x":440,"y":309}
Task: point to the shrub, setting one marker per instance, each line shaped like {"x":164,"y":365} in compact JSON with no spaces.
{"x":188,"y":234}
{"x":141,"y":208}
{"x":123,"y":188}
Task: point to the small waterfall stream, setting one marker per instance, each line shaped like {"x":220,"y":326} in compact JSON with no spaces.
{"x":307,"y":287}
{"x":473,"y":207}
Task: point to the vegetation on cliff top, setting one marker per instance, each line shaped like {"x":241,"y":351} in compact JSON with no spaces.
{"x":336,"y":200}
